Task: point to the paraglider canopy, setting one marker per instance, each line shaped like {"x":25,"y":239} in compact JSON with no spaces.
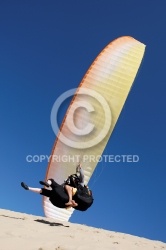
{"x":85,"y":131}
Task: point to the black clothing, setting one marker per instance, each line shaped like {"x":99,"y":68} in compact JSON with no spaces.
{"x":57,"y":195}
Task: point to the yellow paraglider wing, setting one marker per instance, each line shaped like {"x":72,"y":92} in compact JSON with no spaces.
{"x":85,"y":131}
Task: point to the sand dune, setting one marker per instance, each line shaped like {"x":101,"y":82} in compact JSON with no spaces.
{"x":27,"y":232}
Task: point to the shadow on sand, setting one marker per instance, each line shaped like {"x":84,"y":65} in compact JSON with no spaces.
{"x":50,"y":223}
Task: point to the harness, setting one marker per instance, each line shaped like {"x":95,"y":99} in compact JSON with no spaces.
{"x":83,"y":196}
{"x":73,"y":181}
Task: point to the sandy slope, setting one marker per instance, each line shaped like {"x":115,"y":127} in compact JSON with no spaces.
{"x":27,"y":232}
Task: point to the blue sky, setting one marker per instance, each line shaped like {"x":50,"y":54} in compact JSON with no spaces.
{"x":46,"y":48}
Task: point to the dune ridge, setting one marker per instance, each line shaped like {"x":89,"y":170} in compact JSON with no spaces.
{"x":21,"y":231}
